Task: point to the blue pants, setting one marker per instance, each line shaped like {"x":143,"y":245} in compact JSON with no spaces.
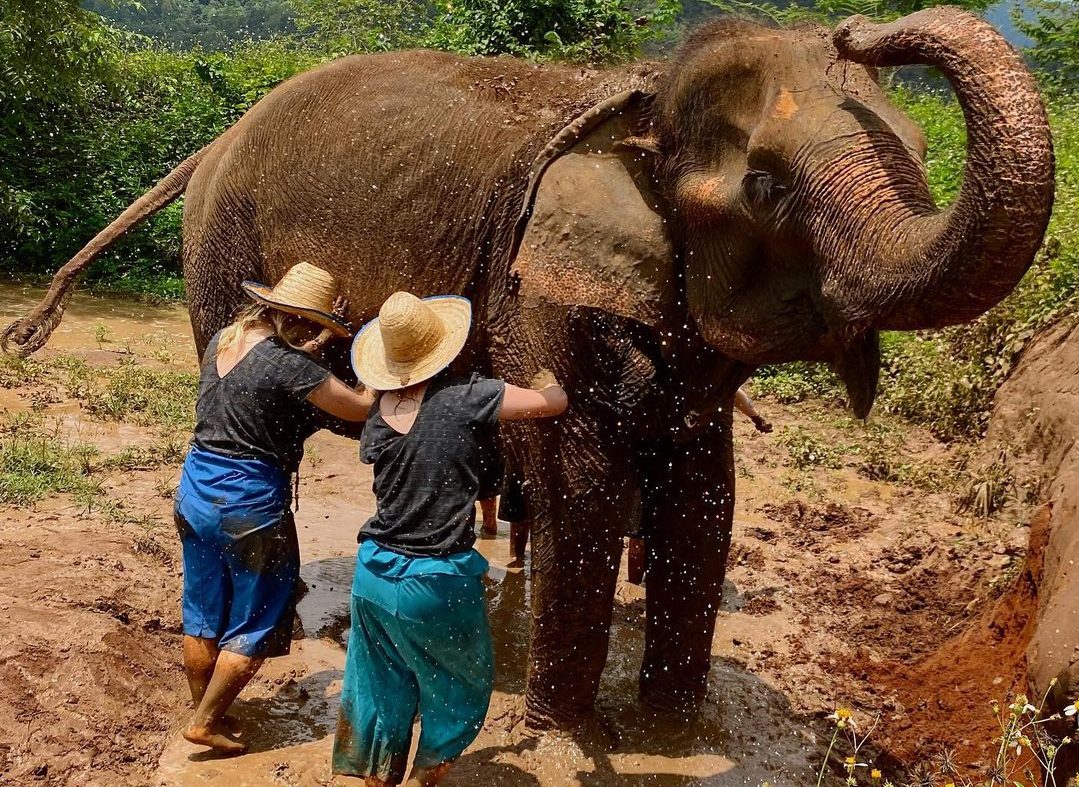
{"x":420,"y":644}
{"x":240,"y":588}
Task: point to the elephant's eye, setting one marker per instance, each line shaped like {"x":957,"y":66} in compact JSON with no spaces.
{"x":762,"y":188}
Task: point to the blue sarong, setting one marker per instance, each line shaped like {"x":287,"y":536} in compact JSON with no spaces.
{"x":420,"y":644}
{"x":240,"y":553}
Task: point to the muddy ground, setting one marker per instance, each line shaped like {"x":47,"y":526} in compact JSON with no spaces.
{"x":853,"y":582}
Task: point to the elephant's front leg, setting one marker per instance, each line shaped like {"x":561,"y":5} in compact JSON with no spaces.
{"x":576,"y":550}
{"x":686,"y":564}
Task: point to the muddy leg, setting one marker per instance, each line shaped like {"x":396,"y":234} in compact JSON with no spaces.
{"x":231,"y":674}
{"x":636,"y":549}
{"x":576,"y":549}
{"x":200,"y":656}
{"x":518,"y":541}
{"x":687,"y":556}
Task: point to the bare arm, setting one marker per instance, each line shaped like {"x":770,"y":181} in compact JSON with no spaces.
{"x":338,"y":399}
{"x":745,"y":405}
{"x":545,"y":399}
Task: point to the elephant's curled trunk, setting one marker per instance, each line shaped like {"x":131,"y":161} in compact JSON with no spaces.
{"x":951,"y":266}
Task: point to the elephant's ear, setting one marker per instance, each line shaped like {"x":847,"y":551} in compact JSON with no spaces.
{"x":592,"y":232}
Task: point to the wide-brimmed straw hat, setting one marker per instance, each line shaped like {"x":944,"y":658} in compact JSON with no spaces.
{"x":411,"y":340}
{"x":306,"y":291}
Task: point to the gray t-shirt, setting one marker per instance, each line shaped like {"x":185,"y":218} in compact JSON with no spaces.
{"x":426,"y":481}
{"x":259,"y":410}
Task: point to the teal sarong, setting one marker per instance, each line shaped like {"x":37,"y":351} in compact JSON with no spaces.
{"x":420,"y":644}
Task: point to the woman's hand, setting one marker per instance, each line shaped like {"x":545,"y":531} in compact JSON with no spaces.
{"x":544,"y":399}
{"x":316,"y":345}
{"x":342,"y":401}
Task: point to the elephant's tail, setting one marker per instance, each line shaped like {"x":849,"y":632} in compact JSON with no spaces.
{"x":29,"y":334}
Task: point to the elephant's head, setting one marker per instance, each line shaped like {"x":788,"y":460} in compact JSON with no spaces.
{"x":793,"y":194}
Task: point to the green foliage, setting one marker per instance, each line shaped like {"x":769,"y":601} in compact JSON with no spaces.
{"x":208,"y":24}
{"x":805,"y":450}
{"x":579,"y":30}
{"x":827,"y":11}
{"x":796,"y":382}
{"x":1053,"y":26}
{"x":340,"y":27}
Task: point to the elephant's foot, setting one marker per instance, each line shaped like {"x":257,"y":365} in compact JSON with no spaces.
{"x":541,"y":714}
{"x":669,"y":696}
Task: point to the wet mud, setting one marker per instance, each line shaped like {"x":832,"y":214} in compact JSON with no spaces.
{"x":840,"y":591}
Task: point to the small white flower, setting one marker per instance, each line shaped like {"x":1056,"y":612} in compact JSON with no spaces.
{"x":1069,"y":711}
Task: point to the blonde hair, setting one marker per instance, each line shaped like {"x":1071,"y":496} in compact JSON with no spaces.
{"x":284,"y":325}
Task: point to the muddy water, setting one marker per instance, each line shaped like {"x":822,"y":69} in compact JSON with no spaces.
{"x":106,"y":323}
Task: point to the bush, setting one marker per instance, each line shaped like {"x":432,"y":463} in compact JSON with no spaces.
{"x":807,"y":450}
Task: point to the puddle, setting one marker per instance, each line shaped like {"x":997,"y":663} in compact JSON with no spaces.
{"x":106,"y":322}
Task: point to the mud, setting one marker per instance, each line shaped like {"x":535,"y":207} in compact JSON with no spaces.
{"x":841,"y":591}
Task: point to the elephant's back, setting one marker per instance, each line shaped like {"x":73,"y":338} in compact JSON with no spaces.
{"x":399,"y":170}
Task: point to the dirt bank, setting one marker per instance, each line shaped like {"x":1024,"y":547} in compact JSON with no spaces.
{"x":850,"y":569}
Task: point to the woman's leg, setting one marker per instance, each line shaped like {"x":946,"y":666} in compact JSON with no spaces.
{"x":449,"y":648}
{"x":379,"y":699}
{"x":231,"y":673}
{"x":200,"y":656}
{"x":263,"y":566}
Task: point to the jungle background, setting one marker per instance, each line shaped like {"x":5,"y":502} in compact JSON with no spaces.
{"x":99,"y":100}
{"x":866,"y":559}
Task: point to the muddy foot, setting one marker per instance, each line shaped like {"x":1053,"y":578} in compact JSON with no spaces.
{"x":216,"y":740}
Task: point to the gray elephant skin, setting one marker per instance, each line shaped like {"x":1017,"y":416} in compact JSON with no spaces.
{"x":650,"y":233}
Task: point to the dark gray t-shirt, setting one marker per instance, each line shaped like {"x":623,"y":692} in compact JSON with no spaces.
{"x":426,"y":481}
{"x":259,"y":410}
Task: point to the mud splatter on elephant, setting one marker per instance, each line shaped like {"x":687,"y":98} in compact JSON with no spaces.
{"x":650,"y":233}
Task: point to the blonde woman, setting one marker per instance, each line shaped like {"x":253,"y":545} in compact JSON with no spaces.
{"x":261,"y":394}
{"x":420,"y":642}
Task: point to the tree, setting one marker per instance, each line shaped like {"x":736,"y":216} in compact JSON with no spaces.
{"x":1053,"y":26}
{"x":579,"y":30}
{"x":340,"y":27}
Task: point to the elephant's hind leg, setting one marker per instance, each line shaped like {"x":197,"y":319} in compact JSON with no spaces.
{"x":221,"y":251}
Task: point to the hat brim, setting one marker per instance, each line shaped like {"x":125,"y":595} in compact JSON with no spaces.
{"x":264,"y":295}
{"x":379,"y":373}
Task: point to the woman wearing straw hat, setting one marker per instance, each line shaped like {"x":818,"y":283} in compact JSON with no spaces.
{"x":420,"y":641}
{"x":261,"y":394}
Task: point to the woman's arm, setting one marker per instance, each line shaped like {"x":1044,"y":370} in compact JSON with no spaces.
{"x":745,"y":404}
{"x":338,"y":399}
{"x":544,"y":399}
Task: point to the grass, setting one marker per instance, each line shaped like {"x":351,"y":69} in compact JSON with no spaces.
{"x":129,"y":392}
{"x":35,"y":463}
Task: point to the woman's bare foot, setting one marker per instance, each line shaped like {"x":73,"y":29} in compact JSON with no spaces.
{"x":428,"y":777}
{"x":215,"y":739}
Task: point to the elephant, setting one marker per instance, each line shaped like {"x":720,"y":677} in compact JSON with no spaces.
{"x":651,"y":233}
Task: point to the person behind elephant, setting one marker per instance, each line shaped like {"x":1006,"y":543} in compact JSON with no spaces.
{"x":261,"y":394}
{"x":420,"y":642}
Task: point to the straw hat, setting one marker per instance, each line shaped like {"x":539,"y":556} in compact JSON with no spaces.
{"x":411,"y":340}
{"x":305,"y":290}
